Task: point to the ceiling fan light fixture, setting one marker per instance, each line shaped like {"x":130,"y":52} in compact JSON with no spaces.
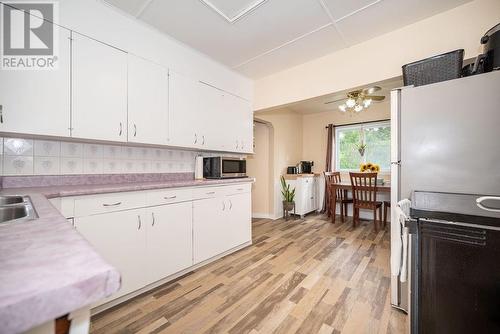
{"x":343,"y":107}
{"x":358,"y":108}
{"x":367,"y":102}
{"x":350,"y":102}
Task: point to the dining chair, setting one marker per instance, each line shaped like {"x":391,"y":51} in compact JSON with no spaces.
{"x":387,"y":206}
{"x":364,"y":195}
{"x":333,"y":178}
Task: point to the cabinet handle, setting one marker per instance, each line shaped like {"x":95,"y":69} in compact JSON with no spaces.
{"x":223,"y":206}
{"x":237,"y":144}
{"x":135,"y":130}
{"x":242,"y":145}
{"x":230,"y":205}
{"x":153,"y":216}
{"x":1,"y":113}
{"x":113,"y":204}
{"x":170,"y":197}
{"x":140,"y":223}
{"x":195,"y":138}
{"x":240,"y":189}
{"x":121,"y":129}
{"x":211,"y":193}
{"x":203,"y":140}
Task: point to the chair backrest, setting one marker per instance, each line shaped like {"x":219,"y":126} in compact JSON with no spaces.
{"x":364,"y":187}
{"x":332,"y":178}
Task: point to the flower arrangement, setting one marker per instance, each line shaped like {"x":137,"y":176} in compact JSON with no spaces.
{"x":369,"y":167}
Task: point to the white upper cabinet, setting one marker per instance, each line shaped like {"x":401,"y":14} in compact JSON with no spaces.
{"x":99,"y":108}
{"x":185,"y":122}
{"x":211,"y":112}
{"x":238,"y":112}
{"x":147,"y":102}
{"x":38,"y":101}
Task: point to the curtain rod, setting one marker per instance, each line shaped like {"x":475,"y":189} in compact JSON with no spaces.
{"x":380,"y":120}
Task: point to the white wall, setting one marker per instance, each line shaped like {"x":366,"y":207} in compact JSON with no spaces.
{"x":107,"y":24}
{"x":382,"y":57}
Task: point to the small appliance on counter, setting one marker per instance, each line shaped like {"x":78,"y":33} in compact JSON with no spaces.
{"x":291,"y":170}
{"x":305,"y":167}
{"x":224,"y":167}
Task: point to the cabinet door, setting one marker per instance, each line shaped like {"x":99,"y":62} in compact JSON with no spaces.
{"x":211,"y":110}
{"x":246,"y":123}
{"x":238,"y":219}
{"x":147,"y":102}
{"x":183,"y":101}
{"x":169,"y":240}
{"x":120,"y":238}
{"x":99,"y":88}
{"x":210,"y":234}
{"x":38,"y":102}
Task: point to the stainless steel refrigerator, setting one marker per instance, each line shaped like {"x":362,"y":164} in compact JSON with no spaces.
{"x":446,"y":138}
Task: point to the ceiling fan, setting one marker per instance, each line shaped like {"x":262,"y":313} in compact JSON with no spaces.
{"x":360,"y":99}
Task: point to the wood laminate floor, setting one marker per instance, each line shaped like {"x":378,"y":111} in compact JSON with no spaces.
{"x":299,"y":276}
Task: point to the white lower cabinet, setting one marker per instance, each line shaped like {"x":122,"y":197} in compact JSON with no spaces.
{"x":169,"y":239}
{"x":219,"y":224}
{"x":306,"y":194}
{"x":151,"y":235}
{"x":120,"y":238}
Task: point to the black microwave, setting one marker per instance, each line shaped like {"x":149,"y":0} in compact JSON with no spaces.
{"x":224,"y":168}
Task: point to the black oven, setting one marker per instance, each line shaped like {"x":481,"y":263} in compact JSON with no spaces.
{"x":223,"y":167}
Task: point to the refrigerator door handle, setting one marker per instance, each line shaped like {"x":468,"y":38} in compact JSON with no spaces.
{"x":480,"y":200}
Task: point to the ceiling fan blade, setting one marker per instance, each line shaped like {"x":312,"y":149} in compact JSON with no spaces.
{"x":342,"y":99}
{"x":370,"y":90}
{"x":375,"y":97}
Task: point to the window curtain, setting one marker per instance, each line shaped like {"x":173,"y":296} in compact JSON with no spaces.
{"x":330,"y":163}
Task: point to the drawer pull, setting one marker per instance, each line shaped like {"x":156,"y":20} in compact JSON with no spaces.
{"x":211,"y":193}
{"x":170,"y":197}
{"x":240,"y":189}
{"x":114,"y":204}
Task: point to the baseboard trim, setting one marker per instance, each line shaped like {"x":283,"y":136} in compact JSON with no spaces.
{"x":262,"y":215}
{"x":100,"y":308}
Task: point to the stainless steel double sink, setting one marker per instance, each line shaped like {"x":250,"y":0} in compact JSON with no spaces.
{"x":16,"y":209}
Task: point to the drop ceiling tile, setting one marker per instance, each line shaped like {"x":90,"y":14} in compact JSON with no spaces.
{"x":389,"y":15}
{"x":232,"y":8}
{"x":341,"y":8}
{"x":269,"y":26}
{"x":130,"y":6}
{"x":315,"y":45}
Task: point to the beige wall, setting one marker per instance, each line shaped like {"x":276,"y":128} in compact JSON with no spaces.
{"x":315,"y":135}
{"x":259,"y":166}
{"x":382,"y":57}
{"x":286,"y":148}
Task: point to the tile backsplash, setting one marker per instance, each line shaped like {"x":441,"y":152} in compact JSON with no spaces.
{"x":21,"y":156}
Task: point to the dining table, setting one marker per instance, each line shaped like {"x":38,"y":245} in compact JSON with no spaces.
{"x":347,"y":186}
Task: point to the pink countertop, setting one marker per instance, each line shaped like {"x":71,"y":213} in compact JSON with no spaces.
{"x":47,"y":269}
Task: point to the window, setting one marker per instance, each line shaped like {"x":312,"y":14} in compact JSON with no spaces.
{"x":376,"y":137}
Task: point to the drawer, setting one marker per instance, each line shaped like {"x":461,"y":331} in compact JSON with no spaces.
{"x":238,"y":189}
{"x":208,"y":192}
{"x":166,"y":196}
{"x":96,"y":204}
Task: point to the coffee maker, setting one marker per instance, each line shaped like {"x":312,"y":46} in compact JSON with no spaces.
{"x":305,"y":167}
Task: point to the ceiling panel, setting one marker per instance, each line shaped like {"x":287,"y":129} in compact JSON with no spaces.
{"x":388,"y":15}
{"x":341,"y":8}
{"x":130,"y":6}
{"x":232,"y":8}
{"x":269,"y":26}
{"x":315,"y":45}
